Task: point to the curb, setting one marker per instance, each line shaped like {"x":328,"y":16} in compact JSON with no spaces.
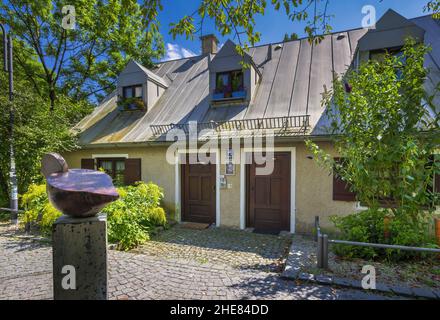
{"x":427,"y":293}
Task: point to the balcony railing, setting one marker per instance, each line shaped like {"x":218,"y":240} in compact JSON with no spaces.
{"x":281,"y":125}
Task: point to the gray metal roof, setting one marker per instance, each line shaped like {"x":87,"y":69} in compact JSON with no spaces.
{"x":292,"y":84}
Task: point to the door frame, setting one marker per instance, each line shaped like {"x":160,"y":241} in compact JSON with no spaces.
{"x":243,"y":191}
{"x":178,"y":185}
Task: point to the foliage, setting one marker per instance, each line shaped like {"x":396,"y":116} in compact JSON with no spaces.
{"x":369,"y":226}
{"x":86,"y":60}
{"x":290,"y":37}
{"x":36,"y":131}
{"x":38,"y":209}
{"x":133,"y":103}
{"x":134,"y":216}
{"x":239,"y":17}
{"x":131,"y":218}
{"x":433,"y":6}
{"x":385,"y":127}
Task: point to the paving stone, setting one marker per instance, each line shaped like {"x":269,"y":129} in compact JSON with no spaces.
{"x":26,"y":273}
{"x":306,"y":276}
{"x":324,"y":279}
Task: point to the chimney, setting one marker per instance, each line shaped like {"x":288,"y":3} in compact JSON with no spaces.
{"x":209,"y":44}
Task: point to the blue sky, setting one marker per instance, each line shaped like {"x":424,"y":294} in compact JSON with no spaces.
{"x":274,"y":24}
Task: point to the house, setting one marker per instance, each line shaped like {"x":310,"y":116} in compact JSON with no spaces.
{"x":280,"y":89}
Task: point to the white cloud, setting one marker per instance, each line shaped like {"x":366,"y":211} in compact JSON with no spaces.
{"x":174,"y":51}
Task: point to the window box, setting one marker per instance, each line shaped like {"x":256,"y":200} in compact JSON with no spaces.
{"x":239,"y":94}
{"x":218,"y":96}
{"x":127,"y":104}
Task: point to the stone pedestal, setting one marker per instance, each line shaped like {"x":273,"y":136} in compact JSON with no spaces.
{"x":80,"y":258}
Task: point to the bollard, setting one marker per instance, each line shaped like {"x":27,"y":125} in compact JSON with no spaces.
{"x":319,"y":251}
{"x":324,"y":251}
{"x":316,"y":227}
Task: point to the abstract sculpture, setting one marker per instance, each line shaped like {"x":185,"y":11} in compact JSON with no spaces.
{"x":78,"y":193}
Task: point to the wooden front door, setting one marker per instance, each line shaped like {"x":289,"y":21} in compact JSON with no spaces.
{"x":269,"y":196}
{"x":198,"y":193}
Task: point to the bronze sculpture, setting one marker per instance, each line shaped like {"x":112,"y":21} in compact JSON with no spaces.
{"x":79,"y":193}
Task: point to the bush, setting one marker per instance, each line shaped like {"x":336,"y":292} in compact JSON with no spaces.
{"x":38,"y":210}
{"x":134,"y":216}
{"x":369,"y":226}
{"x":130,"y":219}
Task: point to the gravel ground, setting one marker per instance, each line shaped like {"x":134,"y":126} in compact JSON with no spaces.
{"x":412,"y":274}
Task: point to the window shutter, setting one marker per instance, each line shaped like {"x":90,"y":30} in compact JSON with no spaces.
{"x":88,"y":164}
{"x":341,"y":189}
{"x":132,"y":171}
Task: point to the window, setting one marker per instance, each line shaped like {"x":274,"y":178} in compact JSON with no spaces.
{"x":115,"y":168}
{"x":229,"y":84}
{"x":341,"y":188}
{"x":379,"y":55}
{"x":123,"y":171}
{"x":133,"y":97}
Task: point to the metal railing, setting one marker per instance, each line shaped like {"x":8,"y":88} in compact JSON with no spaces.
{"x":323,"y":245}
{"x":301,"y":123}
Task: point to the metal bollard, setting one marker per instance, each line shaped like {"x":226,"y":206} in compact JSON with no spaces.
{"x":324,"y":251}
{"x":316,"y":227}
{"x":319,"y":252}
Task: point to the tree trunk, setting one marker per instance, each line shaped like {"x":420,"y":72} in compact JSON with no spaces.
{"x":52,"y":97}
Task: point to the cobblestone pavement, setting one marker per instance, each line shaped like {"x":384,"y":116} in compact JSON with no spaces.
{"x":235,"y":248}
{"x":25,"y":273}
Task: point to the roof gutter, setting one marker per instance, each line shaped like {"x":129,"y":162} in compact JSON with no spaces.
{"x":167,"y":143}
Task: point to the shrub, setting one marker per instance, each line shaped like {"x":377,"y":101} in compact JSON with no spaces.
{"x":130,"y":219}
{"x":369,"y":226}
{"x":38,"y":210}
{"x":134,"y":216}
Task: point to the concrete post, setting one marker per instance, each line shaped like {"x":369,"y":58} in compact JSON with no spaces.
{"x":80,"y":258}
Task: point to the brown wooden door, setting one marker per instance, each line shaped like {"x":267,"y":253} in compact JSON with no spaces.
{"x":269,"y":196}
{"x":198,"y":193}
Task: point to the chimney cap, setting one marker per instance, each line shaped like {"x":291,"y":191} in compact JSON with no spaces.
{"x":209,"y":36}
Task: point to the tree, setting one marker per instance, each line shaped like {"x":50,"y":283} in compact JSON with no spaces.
{"x":37,"y":130}
{"x":238,"y":18}
{"x":82,"y":62}
{"x":293,"y":36}
{"x":386,"y":128}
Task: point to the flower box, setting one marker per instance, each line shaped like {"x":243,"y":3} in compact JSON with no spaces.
{"x":239,"y":94}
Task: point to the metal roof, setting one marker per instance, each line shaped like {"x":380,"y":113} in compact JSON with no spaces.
{"x":291,"y":85}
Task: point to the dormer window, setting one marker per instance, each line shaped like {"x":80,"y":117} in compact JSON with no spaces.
{"x":379,"y":55}
{"x":132,"y":97}
{"x":229,"y":85}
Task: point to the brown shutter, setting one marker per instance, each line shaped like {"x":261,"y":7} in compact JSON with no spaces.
{"x":341,"y":189}
{"x":88,"y":164}
{"x":132,"y":171}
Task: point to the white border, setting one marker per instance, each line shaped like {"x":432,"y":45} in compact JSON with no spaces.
{"x":110,"y":155}
{"x":292,"y":151}
{"x":178,"y":186}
